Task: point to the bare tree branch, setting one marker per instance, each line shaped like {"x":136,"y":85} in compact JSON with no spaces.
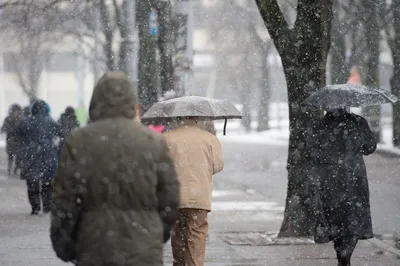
{"x":275,"y":22}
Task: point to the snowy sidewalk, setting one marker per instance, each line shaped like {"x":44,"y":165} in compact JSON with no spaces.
{"x":242,"y":228}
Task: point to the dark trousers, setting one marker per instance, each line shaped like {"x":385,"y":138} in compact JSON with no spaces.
{"x":344,"y":247}
{"x":11,"y":158}
{"x":38,"y":193}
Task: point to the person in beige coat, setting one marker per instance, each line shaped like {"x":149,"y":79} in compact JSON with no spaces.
{"x":197,"y":155}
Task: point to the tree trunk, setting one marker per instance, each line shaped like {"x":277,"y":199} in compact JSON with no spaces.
{"x":148,"y":92}
{"x":246,"y":112}
{"x":108,"y":34}
{"x":339,"y":68}
{"x":299,"y":216}
{"x":395,"y":81}
{"x":35,"y":71}
{"x":303,"y":51}
{"x":395,"y":84}
{"x":165,"y":45}
{"x":263,"y":110}
{"x":372,"y":34}
{"x":305,"y":73}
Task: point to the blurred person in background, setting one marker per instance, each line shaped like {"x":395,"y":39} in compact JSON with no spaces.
{"x":22,"y":153}
{"x":26,"y":112}
{"x":40,"y":160}
{"x":12,"y":140}
{"x":68,"y":122}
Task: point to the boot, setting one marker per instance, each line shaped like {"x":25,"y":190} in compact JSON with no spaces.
{"x":344,"y":262}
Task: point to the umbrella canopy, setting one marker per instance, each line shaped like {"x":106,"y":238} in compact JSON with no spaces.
{"x":349,"y":95}
{"x":192,"y":106}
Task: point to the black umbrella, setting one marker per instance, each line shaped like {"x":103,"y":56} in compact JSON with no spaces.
{"x":349,"y":95}
{"x":192,"y":106}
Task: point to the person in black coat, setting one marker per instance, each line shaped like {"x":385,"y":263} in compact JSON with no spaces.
{"x":40,"y":162}
{"x":344,"y":214}
{"x":68,"y":122}
{"x":12,"y":140}
{"x":22,"y":153}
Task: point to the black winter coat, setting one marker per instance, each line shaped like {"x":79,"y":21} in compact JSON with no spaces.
{"x":67,"y":122}
{"x":343,"y":197}
{"x":12,"y":140}
{"x":40,"y":154}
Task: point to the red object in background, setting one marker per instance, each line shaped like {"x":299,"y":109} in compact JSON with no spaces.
{"x":355,"y":77}
{"x":158,"y":129}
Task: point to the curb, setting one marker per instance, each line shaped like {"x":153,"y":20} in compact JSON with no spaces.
{"x":270,"y":239}
{"x":383,"y":245}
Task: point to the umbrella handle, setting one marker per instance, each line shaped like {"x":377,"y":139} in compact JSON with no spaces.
{"x":226,"y":121}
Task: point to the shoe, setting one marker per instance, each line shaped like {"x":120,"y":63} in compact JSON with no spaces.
{"x":35,"y":213}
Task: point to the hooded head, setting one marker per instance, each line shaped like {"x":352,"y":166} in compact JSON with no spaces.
{"x":15,"y":108}
{"x":40,"y":107}
{"x":113,"y":96}
{"x":69,"y":111}
{"x":26,"y":111}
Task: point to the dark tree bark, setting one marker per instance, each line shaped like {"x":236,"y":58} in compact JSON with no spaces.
{"x":148,"y":92}
{"x":394,"y":44}
{"x":245,"y":99}
{"x":108,"y":32}
{"x":339,"y":67}
{"x":303,"y":51}
{"x":125,"y":47}
{"x":372,"y":35}
{"x":347,"y":22}
{"x":165,"y":45}
{"x":263,"y":110}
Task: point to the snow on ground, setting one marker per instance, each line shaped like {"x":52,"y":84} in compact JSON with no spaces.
{"x":389,"y":148}
{"x":279,"y":134}
{"x":273,"y":136}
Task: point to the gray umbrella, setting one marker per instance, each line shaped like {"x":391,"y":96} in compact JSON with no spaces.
{"x":349,"y":95}
{"x":192,"y":106}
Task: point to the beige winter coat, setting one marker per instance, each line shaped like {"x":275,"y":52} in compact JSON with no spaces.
{"x":197,"y":155}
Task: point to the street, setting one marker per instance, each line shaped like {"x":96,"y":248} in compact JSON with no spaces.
{"x":248,"y":204}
